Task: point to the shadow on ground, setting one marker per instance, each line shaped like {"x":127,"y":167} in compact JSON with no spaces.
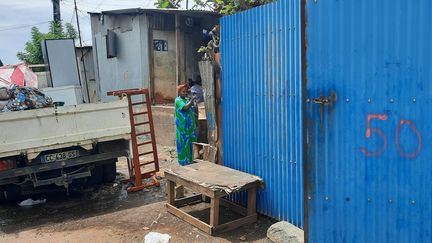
{"x":79,"y":204}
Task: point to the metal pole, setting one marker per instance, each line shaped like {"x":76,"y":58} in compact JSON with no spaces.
{"x":56,"y":11}
{"x":82,"y":53}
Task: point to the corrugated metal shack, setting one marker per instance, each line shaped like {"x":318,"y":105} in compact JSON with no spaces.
{"x":355,"y":103}
{"x":156,"y":48}
{"x":261,"y":103}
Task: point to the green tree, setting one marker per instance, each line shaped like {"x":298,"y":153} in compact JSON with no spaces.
{"x":32,"y":53}
{"x":224,"y":7}
{"x":167,"y":3}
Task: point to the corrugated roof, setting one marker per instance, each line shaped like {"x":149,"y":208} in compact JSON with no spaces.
{"x":137,"y":11}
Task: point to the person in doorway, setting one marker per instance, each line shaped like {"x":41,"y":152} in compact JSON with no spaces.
{"x":185,"y":125}
{"x":197,"y":90}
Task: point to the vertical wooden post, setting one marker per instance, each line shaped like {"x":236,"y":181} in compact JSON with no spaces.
{"x":218,"y":89}
{"x":207,"y":75}
{"x":251,"y":205}
{"x":214,"y":212}
{"x":170,"y":192}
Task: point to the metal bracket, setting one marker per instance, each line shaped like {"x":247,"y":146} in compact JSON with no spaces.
{"x":321,"y":100}
{"x":63,"y":180}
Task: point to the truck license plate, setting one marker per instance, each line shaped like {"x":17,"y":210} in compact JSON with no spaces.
{"x":60,"y":156}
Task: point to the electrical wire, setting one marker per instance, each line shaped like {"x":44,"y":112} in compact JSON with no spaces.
{"x":21,"y":26}
{"x":98,"y":5}
{"x":73,"y":14}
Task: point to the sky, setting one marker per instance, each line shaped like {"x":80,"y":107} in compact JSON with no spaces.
{"x":19,"y":16}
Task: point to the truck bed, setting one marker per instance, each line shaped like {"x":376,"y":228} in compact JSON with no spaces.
{"x":33,"y":131}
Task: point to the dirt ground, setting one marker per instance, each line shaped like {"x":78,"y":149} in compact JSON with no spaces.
{"x":107,"y":213}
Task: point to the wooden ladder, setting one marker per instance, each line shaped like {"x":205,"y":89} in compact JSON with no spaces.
{"x":139,"y":168}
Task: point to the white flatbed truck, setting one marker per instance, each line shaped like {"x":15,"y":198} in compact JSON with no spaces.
{"x":61,"y":146}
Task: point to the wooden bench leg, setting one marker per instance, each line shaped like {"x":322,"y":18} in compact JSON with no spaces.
{"x":214,"y":212}
{"x":170,"y":192}
{"x":251,"y":206}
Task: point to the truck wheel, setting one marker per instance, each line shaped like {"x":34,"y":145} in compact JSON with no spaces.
{"x":12,"y":193}
{"x":96,"y":176}
{"x":109,"y":172}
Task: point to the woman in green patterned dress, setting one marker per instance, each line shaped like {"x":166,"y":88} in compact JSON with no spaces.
{"x":185,"y":125}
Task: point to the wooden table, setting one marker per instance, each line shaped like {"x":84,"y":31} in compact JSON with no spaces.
{"x":212,"y":181}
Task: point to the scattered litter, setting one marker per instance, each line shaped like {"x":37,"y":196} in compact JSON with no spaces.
{"x":146,"y":228}
{"x":123,"y":193}
{"x":30,"y":202}
{"x":243,"y":238}
{"x":155,"y":237}
{"x":115,"y":184}
{"x":156,"y":220}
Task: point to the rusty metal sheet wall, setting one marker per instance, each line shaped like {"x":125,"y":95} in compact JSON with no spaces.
{"x":261,"y":103}
{"x":369,"y":120}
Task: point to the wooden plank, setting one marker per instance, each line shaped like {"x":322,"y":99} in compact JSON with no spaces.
{"x":188,"y":200}
{"x":234,"y":207}
{"x":217,"y":178}
{"x":251,"y":206}
{"x":195,"y":151}
{"x":205,"y":152}
{"x":193,"y":186}
{"x":190,"y":219}
{"x":170,"y":192}
{"x":235,"y":224}
{"x":214,"y":212}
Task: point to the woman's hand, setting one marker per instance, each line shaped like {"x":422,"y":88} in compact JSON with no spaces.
{"x":189,"y":104}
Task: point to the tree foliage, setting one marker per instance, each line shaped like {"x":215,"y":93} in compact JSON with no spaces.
{"x":167,"y":3}
{"x":224,"y":7}
{"x":32,"y":53}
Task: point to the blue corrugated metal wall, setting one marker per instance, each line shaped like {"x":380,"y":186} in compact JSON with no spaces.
{"x":369,"y":164}
{"x":261,"y":103}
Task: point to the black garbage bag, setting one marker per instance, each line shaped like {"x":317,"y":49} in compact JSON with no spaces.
{"x":26,"y":98}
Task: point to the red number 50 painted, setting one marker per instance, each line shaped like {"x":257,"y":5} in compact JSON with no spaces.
{"x":402,"y":153}
{"x":378,"y":131}
{"x":380,"y":151}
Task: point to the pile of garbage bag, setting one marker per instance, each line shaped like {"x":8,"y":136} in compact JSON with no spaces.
{"x":17,"y":98}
